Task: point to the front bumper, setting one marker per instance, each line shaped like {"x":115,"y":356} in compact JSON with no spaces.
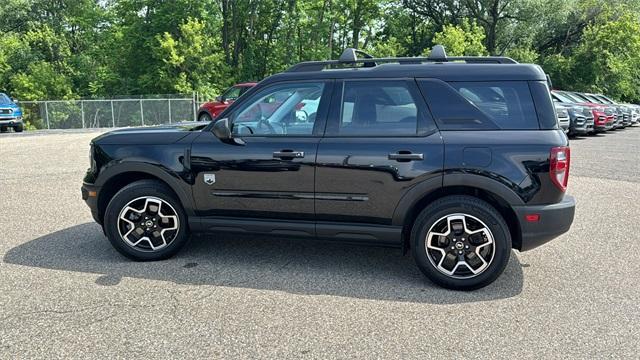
{"x":580,"y":125}
{"x":554,"y":220}
{"x":10,"y":121}
{"x":90,"y":196}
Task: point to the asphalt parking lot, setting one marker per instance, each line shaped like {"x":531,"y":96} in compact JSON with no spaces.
{"x":64,"y":292}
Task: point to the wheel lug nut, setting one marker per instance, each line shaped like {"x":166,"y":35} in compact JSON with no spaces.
{"x":466,"y":247}
{"x":453,"y":248}
{"x":460,"y":252}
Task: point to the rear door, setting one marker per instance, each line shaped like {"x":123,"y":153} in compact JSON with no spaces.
{"x":379,"y":143}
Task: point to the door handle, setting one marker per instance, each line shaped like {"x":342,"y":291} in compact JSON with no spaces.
{"x":288,"y":154}
{"x":405,"y":156}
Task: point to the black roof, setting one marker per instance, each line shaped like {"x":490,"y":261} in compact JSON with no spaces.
{"x":444,"y":71}
{"x":437,"y":65}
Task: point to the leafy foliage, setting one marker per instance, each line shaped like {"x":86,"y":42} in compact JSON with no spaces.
{"x":464,"y":39}
{"x":66,"y":49}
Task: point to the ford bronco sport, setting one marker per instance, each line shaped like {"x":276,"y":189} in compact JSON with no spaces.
{"x":456,"y":159}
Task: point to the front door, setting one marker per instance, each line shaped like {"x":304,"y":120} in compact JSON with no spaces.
{"x":380,"y":142}
{"x":272,"y":174}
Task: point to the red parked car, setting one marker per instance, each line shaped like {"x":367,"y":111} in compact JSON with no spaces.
{"x":210,"y":110}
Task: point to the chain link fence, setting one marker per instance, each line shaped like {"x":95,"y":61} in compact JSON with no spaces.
{"x":114,"y":112}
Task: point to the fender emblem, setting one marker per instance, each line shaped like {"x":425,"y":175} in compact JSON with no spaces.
{"x":209,"y":179}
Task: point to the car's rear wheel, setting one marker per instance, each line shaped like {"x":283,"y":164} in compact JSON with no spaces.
{"x":144,"y":221}
{"x":204,"y":117}
{"x":3,"y":129}
{"x":461,"y":242}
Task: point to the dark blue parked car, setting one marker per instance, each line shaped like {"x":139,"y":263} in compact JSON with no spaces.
{"x":10,"y":114}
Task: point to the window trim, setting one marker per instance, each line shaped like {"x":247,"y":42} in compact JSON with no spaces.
{"x":319,"y":124}
{"x":425,"y":124}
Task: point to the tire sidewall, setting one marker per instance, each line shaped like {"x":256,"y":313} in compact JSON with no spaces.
{"x":123,"y":197}
{"x":474,"y":207}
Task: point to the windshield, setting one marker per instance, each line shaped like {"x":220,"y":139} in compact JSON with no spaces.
{"x":565,"y":98}
{"x":594,"y":99}
{"x":4,"y":99}
{"x":604,"y":99}
{"x":581,"y":97}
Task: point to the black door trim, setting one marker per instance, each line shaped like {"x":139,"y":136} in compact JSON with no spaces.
{"x":290,"y":195}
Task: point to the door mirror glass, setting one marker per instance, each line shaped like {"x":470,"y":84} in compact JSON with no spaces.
{"x":219,"y":98}
{"x":221,"y":129}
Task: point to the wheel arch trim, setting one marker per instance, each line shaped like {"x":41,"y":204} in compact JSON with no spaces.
{"x":406,"y":210}
{"x":171,"y":179}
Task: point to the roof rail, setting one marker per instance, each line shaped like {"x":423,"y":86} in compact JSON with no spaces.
{"x":349,"y":58}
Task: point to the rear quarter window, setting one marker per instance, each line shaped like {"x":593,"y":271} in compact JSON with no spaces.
{"x":481,"y":105}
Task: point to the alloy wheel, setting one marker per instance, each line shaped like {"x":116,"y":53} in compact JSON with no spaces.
{"x":460,"y":246}
{"x":148,"y":223}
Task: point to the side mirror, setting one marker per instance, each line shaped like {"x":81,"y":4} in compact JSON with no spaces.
{"x":14,"y":100}
{"x":219,"y":98}
{"x":221,"y":129}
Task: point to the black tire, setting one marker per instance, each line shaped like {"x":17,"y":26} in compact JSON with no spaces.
{"x":204,"y":117}
{"x":3,"y":129}
{"x":18,"y":128}
{"x":476,"y":208}
{"x":136,"y":190}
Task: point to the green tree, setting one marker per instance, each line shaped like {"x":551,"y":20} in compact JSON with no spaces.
{"x":608,"y":58}
{"x":463,"y":39}
{"x":188,"y":62}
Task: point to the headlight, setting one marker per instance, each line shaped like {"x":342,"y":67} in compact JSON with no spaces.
{"x":562,"y":112}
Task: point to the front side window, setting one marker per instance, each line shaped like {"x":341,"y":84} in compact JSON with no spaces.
{"x":377,"y":108}
{"x":284,"y":109}
{"x":232,"y":93}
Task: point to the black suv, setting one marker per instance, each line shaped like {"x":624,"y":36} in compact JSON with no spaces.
{"x":456,"y":159}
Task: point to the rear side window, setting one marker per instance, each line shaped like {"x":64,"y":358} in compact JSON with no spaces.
{"x":481,"y":105}
{"x":508,"y":103}
{"x":380,"y":108}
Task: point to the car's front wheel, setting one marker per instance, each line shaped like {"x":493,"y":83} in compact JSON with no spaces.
{"x":18,"y":128}
{"x":461,"y":242}
{"x":145,"y":221}
{"x":204,"y":117}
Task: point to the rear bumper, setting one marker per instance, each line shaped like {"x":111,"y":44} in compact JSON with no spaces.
{"x":554,"y":220}
{"x":90,"y":197}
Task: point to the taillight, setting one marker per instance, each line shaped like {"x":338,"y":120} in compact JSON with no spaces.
{"x":559,"y":162}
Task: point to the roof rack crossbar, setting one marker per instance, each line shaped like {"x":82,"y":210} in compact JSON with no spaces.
{"x":349,"y":58}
